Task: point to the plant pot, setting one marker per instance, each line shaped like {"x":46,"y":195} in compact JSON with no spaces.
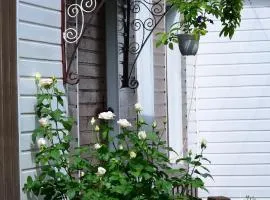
{"x":188,"y":44}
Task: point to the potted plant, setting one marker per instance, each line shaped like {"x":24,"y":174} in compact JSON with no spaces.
{"x":196,"y":15}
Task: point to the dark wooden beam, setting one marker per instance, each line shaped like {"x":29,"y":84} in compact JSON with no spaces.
{"x":9,"y":138}
{"x":218,"y":198}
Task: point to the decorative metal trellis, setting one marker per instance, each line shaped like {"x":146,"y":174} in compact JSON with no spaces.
{"x":131,"y":23}
{"x":73,"y":35}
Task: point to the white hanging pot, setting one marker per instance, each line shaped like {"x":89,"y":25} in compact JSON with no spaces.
{"x":188,"y":44}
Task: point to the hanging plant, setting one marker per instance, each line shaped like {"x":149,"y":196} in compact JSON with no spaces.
{"x":197,"y":15}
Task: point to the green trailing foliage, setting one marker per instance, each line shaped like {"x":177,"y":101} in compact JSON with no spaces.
{"x":198,"y":14}
{"x":133,"y":164}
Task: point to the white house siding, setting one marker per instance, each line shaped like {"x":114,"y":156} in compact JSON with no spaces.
{"x":39,"y":50}
{"x":232,"y":103}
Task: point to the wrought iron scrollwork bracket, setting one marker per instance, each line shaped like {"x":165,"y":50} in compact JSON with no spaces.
{"x":132,"y":8}
{"x":73,"y":36}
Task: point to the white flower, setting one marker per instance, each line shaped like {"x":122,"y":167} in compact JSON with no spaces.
{"x":43,"y":122}
{"x":124,"y":123}
{"x":97,"y":146}
{"x":65,"y":197}
{"x":120,"y":147}
{"x":46,"y":82}
{"x":82,"y":173}
{"x":37,"y":76}
{"x":41,"y":142}
{"x":138,"y":107}
{"x":106,"y":115}
{"x":101,"y":171}
{"x":132,"y":154}
{"x":142,"y":135}
{"x":92,"y":121}
{"x":154,"y":125}
{"x":203,"y":143}
{"x":141,"y":121}
{"x":97,"y":128}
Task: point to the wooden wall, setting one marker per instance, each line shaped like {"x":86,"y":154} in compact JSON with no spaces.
{"x":160,"y":77}
{"x":92,"y":72}
{"x":90,"y":63}
{"x":9,"y":138}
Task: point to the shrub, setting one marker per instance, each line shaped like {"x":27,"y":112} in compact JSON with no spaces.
{"x":132,"y":164}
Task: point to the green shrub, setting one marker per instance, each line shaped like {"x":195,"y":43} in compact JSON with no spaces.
{"x":130,"y":165}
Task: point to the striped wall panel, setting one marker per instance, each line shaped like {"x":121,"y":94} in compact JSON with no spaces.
{"x":230,"y":107}
{"x":39,"y":50}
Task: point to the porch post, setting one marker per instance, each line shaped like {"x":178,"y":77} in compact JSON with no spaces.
{"x":9,"y":140}
{"x":112,"y":72}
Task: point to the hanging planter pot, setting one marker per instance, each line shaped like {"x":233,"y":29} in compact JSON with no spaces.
{"x":188,"y":44}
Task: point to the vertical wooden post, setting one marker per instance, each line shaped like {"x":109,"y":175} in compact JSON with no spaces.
{"x":9,"y":141}
{"x":112,"y":70}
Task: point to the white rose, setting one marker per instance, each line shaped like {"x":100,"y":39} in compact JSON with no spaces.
{"x":141,"y":121}
{"x":203,"y":143}
{"x":106,"y":115}
{"x":82,"y":173}
{"x":120,"y":147}
{"x":154,"y":125}
{"x":97,"y":128}
{"x":132,"y":154}
{"x":92,"y":121}
{"x":142,"y":135}
{"x":101,"y":171}
{"x":43,"y":122}
{"x":37,"y":76}
{"x":41,"y":142}
{"x":124,"y":123}
{"x":138,"y":107}
{"x":97,"y":146}
{"x":46,"y":82}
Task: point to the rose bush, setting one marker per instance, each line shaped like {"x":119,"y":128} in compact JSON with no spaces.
{"x":130,"y":165}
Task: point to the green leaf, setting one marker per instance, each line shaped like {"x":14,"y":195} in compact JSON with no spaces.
{"x":71,"y":193}
{"x":56,"y":115}
{"x":60,"y":100}
{"x":67,"y":124}
{"x":29,"y":180}
{"x":171,"y":45}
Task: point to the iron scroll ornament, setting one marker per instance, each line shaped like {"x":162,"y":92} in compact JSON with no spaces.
{"x":129,"y":7}
{"x":73,"y":36}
